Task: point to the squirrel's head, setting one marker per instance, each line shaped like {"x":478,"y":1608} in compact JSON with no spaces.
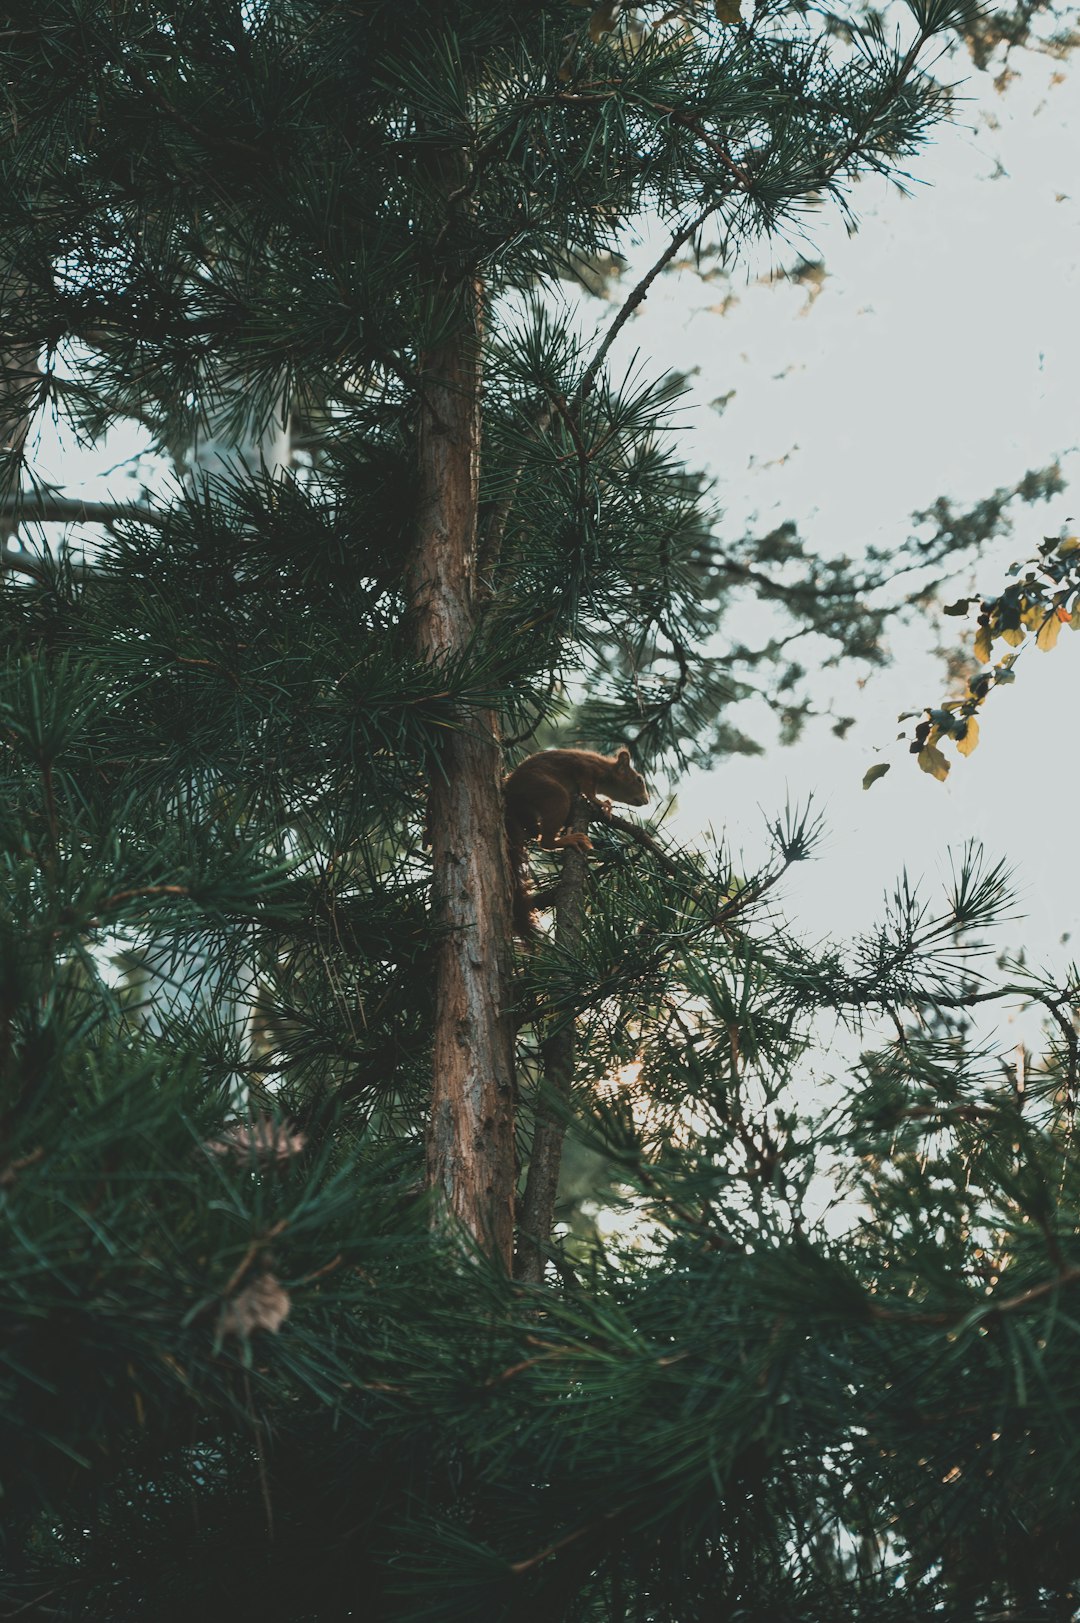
{"x":631,"y":784}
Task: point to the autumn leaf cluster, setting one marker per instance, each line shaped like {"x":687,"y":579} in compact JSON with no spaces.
{"x":1044,"y":597}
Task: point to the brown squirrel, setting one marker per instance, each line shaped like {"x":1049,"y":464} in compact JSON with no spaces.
{"x":540,"y":795}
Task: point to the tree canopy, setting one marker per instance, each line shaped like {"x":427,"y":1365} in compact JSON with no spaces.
{"x":288,"y":1322}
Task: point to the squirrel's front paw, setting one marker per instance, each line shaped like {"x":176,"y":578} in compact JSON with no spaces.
{"x":580,"y":842}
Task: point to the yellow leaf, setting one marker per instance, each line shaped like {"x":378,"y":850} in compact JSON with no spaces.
{"x":1031,"y":615}
{"x":1070,"y":544}
{"x":971,"y":736}
{"x":873,"y":773}
{"x":1074,"y":618}
{"x":728,"y":12}
{"x":931,"y":760}
{"x":1048,"y":633}
{"x":1014,"y":636}
{"x":984,"y":645}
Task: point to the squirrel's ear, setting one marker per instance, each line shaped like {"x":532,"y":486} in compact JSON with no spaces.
{"x":623,"y":758}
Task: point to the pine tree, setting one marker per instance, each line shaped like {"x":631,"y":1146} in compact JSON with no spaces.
{"x":276,"y":1083}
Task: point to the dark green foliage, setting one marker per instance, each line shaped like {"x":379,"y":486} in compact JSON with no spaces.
{"x":240,"y":1374}
{"x":741,"y":1413}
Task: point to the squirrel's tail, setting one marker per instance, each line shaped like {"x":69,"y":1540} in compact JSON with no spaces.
{"x":521,"y":882}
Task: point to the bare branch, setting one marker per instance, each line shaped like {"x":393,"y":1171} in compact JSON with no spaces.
{"x":34,"y":508}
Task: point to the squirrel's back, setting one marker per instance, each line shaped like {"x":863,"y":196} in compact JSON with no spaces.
{"x":583,"y":772}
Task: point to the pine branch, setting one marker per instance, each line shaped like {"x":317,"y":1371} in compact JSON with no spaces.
{"x":52,"y":509}
{"x":984,"y":1310}
{"x":27,"y":387}
{"x":720,"y":917}
{"x":1054,"y":1006}
{"x":716,"y":147}
{"x":22,"y":563}
{"x":212,"y":143}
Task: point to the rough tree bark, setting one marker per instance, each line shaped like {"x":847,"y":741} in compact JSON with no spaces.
{"x":21,"y":370}
{"x":557,"y":1054}
{"x":471,"y":1126}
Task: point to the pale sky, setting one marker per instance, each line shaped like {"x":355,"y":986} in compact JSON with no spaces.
{"x":942,"y":356}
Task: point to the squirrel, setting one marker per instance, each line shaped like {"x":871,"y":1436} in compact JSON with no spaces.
{"x":539,"y":795}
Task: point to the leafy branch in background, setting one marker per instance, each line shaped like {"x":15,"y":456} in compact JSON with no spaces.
{"x":1043,"y":598}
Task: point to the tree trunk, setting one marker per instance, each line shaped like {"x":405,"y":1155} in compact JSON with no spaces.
{"x":20,"y":368}
{"x":471,"y":1126}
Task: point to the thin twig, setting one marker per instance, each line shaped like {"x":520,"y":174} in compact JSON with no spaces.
{"x":260,"y":1241}
{"x":638,"y":296}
